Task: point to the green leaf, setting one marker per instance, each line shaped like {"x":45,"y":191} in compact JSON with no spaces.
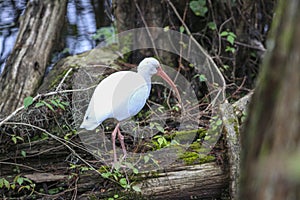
{"x":67,"y":136}
{"x":230,"y":49}
{"x":14,"y":139}
{"x":135,"y":170}
{"x":20,"y":180}
{"x":106,"y":175}
{"x":6,"y":183}
{"x":65,"y":103}
{"x":232,"y":34}
{"x":224,"y":33}
{"x":28,"y":101}
{"x":212,"y":25}
{"x":160,"y":141}
{"x":19,"y":138}
{"x":199,"y":7}
{"x":181,"y":29}
{"x":61,"y":106}
{"x":123,"y":182}
{"x":202,"y":78}
{"x":230,"y":39}
{"x":166,"y":28}
{"x":176,"y":108}
{"x":48,"y":105}
{"x":84,"y":169}
{"x":160,"y":128}
{"x":116,"y":196}
{"x":136,"y":188}
{"x":54,"y":102}
{"x":23,"y":153}
{"x":219,"y":122}
{"x":53,"y":191}
{"x":12,"y":186}
{"x":1,"y":182}
{"x":226,"y":67}
{"x":39,"y":104}
{"x":27,"y":180}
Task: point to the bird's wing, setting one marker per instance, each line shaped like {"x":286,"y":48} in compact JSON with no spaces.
{"x":130,"y":96}
{"x":121,"y":95}
{"x":100,"y":105}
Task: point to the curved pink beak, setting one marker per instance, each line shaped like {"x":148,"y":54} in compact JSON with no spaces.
{"x":162,"y":74}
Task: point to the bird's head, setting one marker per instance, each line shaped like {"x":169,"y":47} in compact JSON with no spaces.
{"x":148,"y":66}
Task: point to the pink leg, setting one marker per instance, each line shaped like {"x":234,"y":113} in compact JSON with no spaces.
{"x":121,"y":139}
{"x":113,"y":138}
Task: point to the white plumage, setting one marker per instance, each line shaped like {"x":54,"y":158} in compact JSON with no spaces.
{"x":122,"y":95}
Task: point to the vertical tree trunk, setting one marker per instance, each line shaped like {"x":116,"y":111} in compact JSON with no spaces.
{"x":147,"y":13}
{"x":40,"y":27}
{"x":271,"y":140}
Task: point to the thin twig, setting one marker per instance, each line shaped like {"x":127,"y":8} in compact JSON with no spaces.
{"x":20,"y":165}
{"x":63,"y":80}
{"x":219,"y":34}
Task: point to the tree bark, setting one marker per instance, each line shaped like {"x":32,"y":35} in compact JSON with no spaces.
{"x":40,"y":28}
{"x":271,"y":140}
{"x":205,"y":181}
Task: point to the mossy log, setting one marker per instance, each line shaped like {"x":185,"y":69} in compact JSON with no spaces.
{"x":47,"y":164}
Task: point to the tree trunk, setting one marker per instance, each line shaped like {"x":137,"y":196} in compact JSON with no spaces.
{"x":147,"y":13}
{"x":40,"y":28}
{"x":271,"y":140}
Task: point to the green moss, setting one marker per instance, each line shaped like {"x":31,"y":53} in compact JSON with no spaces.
{"x":190,"y":153}
{"x":192,"y":157}
{"x":195,"y":153}
{"x":189,"y":157}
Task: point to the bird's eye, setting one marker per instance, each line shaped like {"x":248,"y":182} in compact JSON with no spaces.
{"x":87,"y":117}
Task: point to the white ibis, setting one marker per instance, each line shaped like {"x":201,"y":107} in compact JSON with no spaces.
{"x":122,"y":95}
